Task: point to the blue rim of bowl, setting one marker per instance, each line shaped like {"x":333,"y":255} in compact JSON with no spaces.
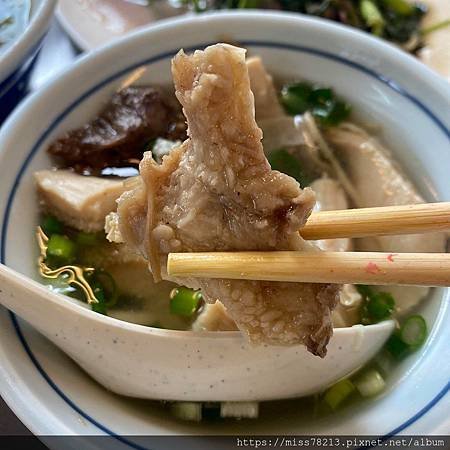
{"x":169,"y":54}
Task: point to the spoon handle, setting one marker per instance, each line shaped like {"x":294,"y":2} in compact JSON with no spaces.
{"x":35,"y":303}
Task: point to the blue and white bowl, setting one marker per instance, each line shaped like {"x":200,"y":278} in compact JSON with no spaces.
{"x":16,"y":62}
{"x":49,"y":392}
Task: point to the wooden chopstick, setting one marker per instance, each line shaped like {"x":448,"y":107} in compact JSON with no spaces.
{"x":418,"y":269}
{"x":387,"y":220}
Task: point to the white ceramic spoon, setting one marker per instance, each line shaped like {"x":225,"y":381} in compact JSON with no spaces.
{"x":152,"y":363}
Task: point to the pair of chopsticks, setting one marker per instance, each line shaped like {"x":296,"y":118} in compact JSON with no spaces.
{"x":419,"y":269}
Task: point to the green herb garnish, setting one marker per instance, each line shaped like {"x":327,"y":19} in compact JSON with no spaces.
{"x":377,"y":306}
{"x":51,"y":225}
{"x":283,"y":161}
{"x":297,"y":98}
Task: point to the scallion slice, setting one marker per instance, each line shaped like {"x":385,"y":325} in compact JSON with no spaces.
{"x":339,"y":392}
{"x":396,"y":347}
{"x":60,"y":250}
{"x":414,"y":331}
{"x":187,"y":411}
{"x":369,"y":383}
{"x":384,"y":362}
{"x":239,"y":410}
{"x":87,"y":239}
{"x":380,"y":306}
{"x":184,"y":301}
{"x":377,"y":306}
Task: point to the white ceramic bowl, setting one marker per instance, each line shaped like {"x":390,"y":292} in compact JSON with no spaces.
{"x":386,"y":85}
{"x":17,"y":60}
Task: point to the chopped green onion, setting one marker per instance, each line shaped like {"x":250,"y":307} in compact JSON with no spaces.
{"x":377,"y":306}
{"x":51,"y":225}
{"x":396,"y":347}
{"x":99,"y":308}
{"x":283,"y":161}
{"x":385,"y":362}
{"x":60,"y":250}
{"x":412,"y":334}
{"x":187,"y":411}
{"x":300,"y":97}
{"x":87,"y":239}
{"x":109,"y":287}
{"x":364,"y":290}
{"x":372,"y":16}
{"x":98,"y":290}
{"x":380,"y":306}
{"x":414,"y":331}
{"x":333,"y":113}
{"x":239,"y":410}
{"x":339,"y":392}
{"x":184,"y":301}
{"x":369,"y":383}
{"x":105,"y":290}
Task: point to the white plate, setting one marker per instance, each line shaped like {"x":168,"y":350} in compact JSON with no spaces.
{"x":92,"y":23}
{"x":53,"y":396}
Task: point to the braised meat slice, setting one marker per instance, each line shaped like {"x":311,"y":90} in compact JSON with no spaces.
{"x":118,"y":136}
{"x":217,"y":192}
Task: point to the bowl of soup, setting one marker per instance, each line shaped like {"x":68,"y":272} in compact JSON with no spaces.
{"x":319,"y":96}
{"x":23,"y":25}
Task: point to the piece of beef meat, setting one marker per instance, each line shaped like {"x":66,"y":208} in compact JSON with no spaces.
{"x":118,"y":136}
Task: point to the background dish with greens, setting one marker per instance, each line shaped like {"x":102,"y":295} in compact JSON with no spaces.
{"x":420,"y":27}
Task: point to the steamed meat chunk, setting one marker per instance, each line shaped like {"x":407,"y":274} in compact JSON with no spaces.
{"x":217,"y":192}
{"x":361,"y":155}
{"x":279,"y":129}
{"x":267,"y":105}
{"x":80,"y":202}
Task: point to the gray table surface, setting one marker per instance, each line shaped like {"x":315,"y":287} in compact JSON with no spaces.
{"x":57,"y":53}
